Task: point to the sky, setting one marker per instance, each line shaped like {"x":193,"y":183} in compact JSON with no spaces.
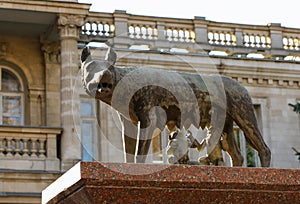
{"x":254,"y":12}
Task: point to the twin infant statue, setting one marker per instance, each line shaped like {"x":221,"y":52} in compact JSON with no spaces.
{"x":181,"y":140}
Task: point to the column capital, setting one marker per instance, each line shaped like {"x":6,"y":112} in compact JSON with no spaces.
{"x":3,"y":49}
{"x":70,"y":25}
{"x":51,"y":52}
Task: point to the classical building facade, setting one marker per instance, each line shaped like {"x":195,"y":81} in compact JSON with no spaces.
{"x":48,"y":123}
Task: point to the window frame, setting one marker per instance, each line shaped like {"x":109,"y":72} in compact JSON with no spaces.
{"x":20,"y":94}
{"x":93,"y":120}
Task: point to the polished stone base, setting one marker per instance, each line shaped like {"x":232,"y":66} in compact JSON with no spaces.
{"x":94,"y":182}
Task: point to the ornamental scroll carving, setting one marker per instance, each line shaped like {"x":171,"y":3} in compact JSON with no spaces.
{"x":51,"y":52}
{"x":3,"y":49}
{"x":69,"y":25}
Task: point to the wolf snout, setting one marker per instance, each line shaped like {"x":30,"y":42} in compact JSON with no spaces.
{"x":104,"y":87}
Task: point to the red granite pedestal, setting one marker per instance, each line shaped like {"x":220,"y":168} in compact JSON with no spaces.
{"x":94,"y":182}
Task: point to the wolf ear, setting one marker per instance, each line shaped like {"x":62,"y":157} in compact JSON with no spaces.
{"x":111,"y":56}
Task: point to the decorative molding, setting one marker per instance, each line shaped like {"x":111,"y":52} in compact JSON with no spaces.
{"x":3,"y":49}
{"x":272,"y":83}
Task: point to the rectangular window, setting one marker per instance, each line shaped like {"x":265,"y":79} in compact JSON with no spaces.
{"x":87,"y":133}
{"x":11,"y":110}
{"x":88,"y":129}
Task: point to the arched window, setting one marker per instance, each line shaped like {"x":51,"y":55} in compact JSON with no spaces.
{"x":11,"y":97}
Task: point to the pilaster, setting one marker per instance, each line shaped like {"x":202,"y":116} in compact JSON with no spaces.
{"x":276,"y":35}
{"x":121,"y":29}
{"x":52,"y":80}
{"x":200,"y":28}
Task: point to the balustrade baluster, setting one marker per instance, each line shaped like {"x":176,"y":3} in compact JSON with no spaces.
{"x":290,"y":43}
{"x":226,"y":41}
{"x":100,"y":29}
{"x":42,"y":149}
{"x":169,"y":34}
{"x":111,"y":30}
{"x":83,"y":29}
{"x":217,"y":38}
{"x":221,"y":38}
{"x":130,"y":31}
{"x":154,"y":33}
{"x":90,"y":29}
{"x":296,"y":43}
{"x":210,"y":37}
{"x":143,"y":32}
{"x":252,"y":40}
{"x":95,"y":28}
{"x":25,"y":149}
{"x":8,"y":149}
{"x":150,"y":33}
{"x":136,"y":32}
{"x":17,"y":148}
{"x":245,"y":39}
{"x":181,"y":35}
{"x":106,"y":29}
{"x":269,"y":41}
{"x":34,"y":147}
{"x":173,"y":35}
{"x":257,"y":41}
{"x":263,"y":41}
{"x":234,"y":39}
{"x":187,"y":36}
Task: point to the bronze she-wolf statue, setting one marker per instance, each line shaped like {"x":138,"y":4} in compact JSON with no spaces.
{"x":208,"y":101}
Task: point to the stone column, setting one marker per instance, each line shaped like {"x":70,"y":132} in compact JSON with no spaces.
{"x":69,"y":27}
{"x":52,"y":80}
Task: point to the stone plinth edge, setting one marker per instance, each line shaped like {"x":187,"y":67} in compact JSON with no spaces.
{"x":94,"y":182}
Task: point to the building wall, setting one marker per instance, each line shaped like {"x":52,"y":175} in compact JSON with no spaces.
{"x":24,"y":55}
{"x":49,"y":65}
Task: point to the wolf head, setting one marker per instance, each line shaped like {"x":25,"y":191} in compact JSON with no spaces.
{"x":98,"y":75}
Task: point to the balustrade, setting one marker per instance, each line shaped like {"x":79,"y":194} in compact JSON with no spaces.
{"x":178,"y":34}
{"x":147,"y":32}
{"x":291,"y":43}
{"x":28,"y":142}
{"x":250,"y":38}
{"x":24,"y":147}
{"x":256,"y":40}
{"x":98,"y":29}
{"x":221,"y":38}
